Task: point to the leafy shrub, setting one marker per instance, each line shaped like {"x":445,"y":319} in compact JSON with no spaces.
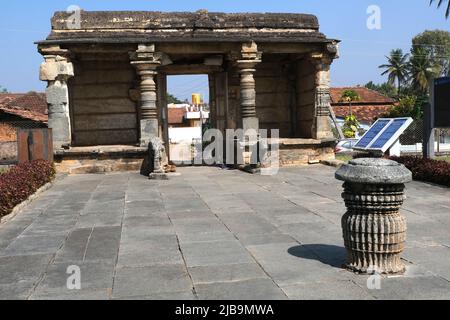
{"x":429,"y":170}
{"x":351,"y":125}
{"x":22,"y":181}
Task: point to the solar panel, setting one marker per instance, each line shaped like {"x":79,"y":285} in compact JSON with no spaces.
{"x":383,"y":134}
{"x":372,"y":133}
{"x":388,"y":133}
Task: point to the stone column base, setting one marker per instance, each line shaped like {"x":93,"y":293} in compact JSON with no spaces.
{"x":158,"y":176}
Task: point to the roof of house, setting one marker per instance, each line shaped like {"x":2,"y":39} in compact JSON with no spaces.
{"x":176,"y":115}
{"x":136,"y":26}
{"x":367,"y":96}
{"x":371,"y":106}
{"x":31,"y":106}
{"x":6,"y":98}
{"x":364,"y":114}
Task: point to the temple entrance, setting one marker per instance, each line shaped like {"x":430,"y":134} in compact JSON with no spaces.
{"x":188,"y":115}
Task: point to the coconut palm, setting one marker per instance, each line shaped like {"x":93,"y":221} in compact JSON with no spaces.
{"x":421,"y":69}
{"x":396,"y":68}
{"x":440,"y":2}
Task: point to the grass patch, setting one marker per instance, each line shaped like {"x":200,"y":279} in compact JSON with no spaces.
{"x":445,"y":158}
{"x":346,"y":157}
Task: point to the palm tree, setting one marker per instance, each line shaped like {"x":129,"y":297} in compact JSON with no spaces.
{"x":440,"y":2}
{"x":396,"y":68}
{"x":421,"y":69}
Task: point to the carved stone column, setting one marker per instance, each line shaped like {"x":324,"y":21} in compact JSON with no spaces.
{"x":373,"y":229}
{"x":145,"y":60}
{"x":321,"y":128}
{"x":250,"y":57}
{"x":56,"y":70}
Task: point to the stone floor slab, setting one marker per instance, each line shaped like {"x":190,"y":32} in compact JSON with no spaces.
{"x":235,"y":235}
{"x":132,"y":282}
{"x":257,"y":289}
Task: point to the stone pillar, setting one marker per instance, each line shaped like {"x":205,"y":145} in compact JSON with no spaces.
{"x":145,"y":60}
{"x":321,"y":128}
{"x":56,"y":70}
{"x":249,"y":58}
{"x":373,"y":229}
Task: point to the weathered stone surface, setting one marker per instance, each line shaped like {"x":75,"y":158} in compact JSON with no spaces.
{"x":58,"y":113}
{"x":374,"y":171}
{"x":52,"y":70}
{"x":374,"y":231}
{"x":190,"y":26}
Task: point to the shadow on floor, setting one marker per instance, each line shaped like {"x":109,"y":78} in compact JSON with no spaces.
{"x":334,"y":256}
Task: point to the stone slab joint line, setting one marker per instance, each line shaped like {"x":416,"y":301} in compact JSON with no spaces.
{"x":110,"y":294}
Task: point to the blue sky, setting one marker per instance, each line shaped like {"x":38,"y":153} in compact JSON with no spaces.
{"x":362,"y":50}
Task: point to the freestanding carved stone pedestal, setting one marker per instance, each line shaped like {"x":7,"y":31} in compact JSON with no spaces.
{"x":374,"y":231}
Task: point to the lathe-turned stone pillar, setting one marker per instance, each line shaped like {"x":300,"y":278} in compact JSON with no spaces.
{"x":56,"y":70}
{"x":145,"y":60}
{"x":373,"y":229}
{"x":249,"y":58}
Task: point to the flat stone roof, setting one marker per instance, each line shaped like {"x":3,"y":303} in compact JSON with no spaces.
{"x":200,"y":26}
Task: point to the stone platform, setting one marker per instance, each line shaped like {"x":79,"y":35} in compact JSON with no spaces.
{"x":300,"y":152}
{"x":100,"y":159}
{"x":212,"y":234}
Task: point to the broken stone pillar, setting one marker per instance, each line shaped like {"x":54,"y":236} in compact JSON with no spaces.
{"x":374,"y":231}
{"x":145,"y":60}
{"x":56,"y":70}
{"x":157,"y":159}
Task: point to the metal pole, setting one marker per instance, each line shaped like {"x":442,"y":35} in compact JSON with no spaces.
{"x":428,"y":125}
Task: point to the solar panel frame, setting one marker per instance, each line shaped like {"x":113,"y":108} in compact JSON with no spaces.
{"x":393,"y":132}
{"x":372,"y":133}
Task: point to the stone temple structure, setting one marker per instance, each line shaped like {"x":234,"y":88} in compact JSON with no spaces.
{"x":107,"y":81}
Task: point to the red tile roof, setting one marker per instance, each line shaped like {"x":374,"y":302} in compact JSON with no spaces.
{"x":176,"y":115}
{"x":367,"y":96}
{"x":6,"y":98}
{"x":365,"y":114}
{"x":30,"y":106}
{"x":371,"y":106}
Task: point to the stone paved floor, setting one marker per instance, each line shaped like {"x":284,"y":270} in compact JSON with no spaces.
{"x":211,"y":234}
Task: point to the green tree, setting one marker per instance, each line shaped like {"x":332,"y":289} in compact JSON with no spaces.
{"x":396,"y":68}
{"x":440,"y":2}
{"x":436,"y":43}
{"x":172,"y":99}
{"x":350,"y":96}
{"x":406,"y":107}
{"x":421,"y":69}
{"x":351,"y":126}
{"x":385,"y":89}
{"x":3,"y":90}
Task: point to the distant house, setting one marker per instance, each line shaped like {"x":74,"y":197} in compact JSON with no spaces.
{"x":372,"y":104}
{"x":186,"y":116}
{"x":19,"y":110}
{"x":28,"y":110}
{"x":177,"y":117}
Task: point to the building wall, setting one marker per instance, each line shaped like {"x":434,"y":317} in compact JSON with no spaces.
{"x":285,"y":96}
{"x":273,"y":96}
{"x":101,"y":109}
{"x":305,"y":98}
